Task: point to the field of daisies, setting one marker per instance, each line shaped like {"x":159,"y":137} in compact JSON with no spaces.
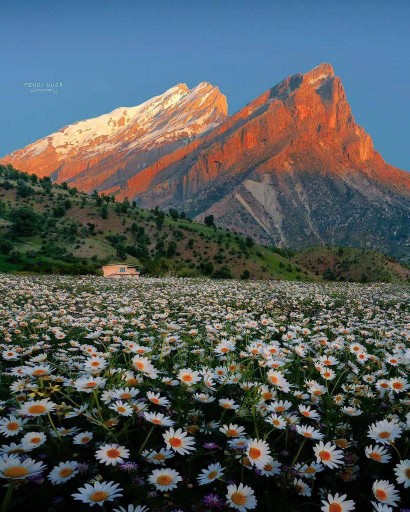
{"x":181,"y":395}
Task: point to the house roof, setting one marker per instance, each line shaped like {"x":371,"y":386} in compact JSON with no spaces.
{"x":119,"y":265}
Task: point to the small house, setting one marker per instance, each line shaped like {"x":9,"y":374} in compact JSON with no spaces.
{"x":118,"y":270}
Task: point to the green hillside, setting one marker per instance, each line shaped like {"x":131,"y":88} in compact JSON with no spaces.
{"x":351,"y":264}
{"x":52,"y":228}
{"x":56,"y":229}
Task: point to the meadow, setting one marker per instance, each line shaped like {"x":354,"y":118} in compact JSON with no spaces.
{"x":197,"y":395}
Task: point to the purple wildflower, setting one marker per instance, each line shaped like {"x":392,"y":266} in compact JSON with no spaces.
{"x":83,"y":467}
{"x":128,"y":466}
{"x":213,"y":500}
{"x":211,"y":446}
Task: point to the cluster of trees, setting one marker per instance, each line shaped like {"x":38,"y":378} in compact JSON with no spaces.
{"x":157,"y":250}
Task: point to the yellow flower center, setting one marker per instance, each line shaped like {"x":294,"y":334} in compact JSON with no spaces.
{"x":64,"y":473}
{"x":36,"y":409}
{"x":37,"y":373}
{"x":380,"y":494}
{"x":164,"y":480}
{"x":175,"y":442}
{"x":238,"y":498}
{"x":254,"y":453}
{"x":324,"y":455}
{"x":113,"y":453}
{"x":98,"y":496}
{"x":15,"y":472}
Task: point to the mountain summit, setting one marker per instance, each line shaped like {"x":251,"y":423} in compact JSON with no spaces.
{"x":291,"y":168}
{"x":101,"y":152}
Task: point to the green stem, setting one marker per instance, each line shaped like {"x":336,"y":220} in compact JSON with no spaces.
{"x":146,"y":440}
{"x":297,"y":455}
{"x":7,"y":498}
{"x":337,"y":382}
{"x":395,"y":449}
{"x":68,"y":398}
{"x":53,"y":425}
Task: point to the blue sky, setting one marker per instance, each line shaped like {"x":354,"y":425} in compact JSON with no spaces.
{"x":109,"y":54}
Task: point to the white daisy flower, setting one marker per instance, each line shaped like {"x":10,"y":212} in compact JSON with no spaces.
{"x":337,"y":503}
{"x":11,"y":426}
{"x":164,"y":479}
{"x":122,"y":408}
{"x":63,"y":472}
{"x":14,"y":468}
{"x":188,"y":376}
{"x":112,"y":454}
{"x":328,"y":455}
{"x":402,"y":471}
{"x":385,"y":492}
{"x":37,"y":407}
{"x":258,"y":453}
{"x":377,"y":453}
{"x":211,"y":473}
{"x":232,"y":430}
{"x":157,"y":418}
{"x":384,"y":431}
{"x":32,"y":440}
{"x":132,"y":508}
{"x":83,"y":438}
{"x":98,"y":493}
{"x":241,"y":497}
{"x":178,"y":441}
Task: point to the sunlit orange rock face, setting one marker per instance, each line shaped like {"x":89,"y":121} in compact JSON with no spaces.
{"x":302,"y":124}
{"x":291,"y":168}
{"x":103,"y":152}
